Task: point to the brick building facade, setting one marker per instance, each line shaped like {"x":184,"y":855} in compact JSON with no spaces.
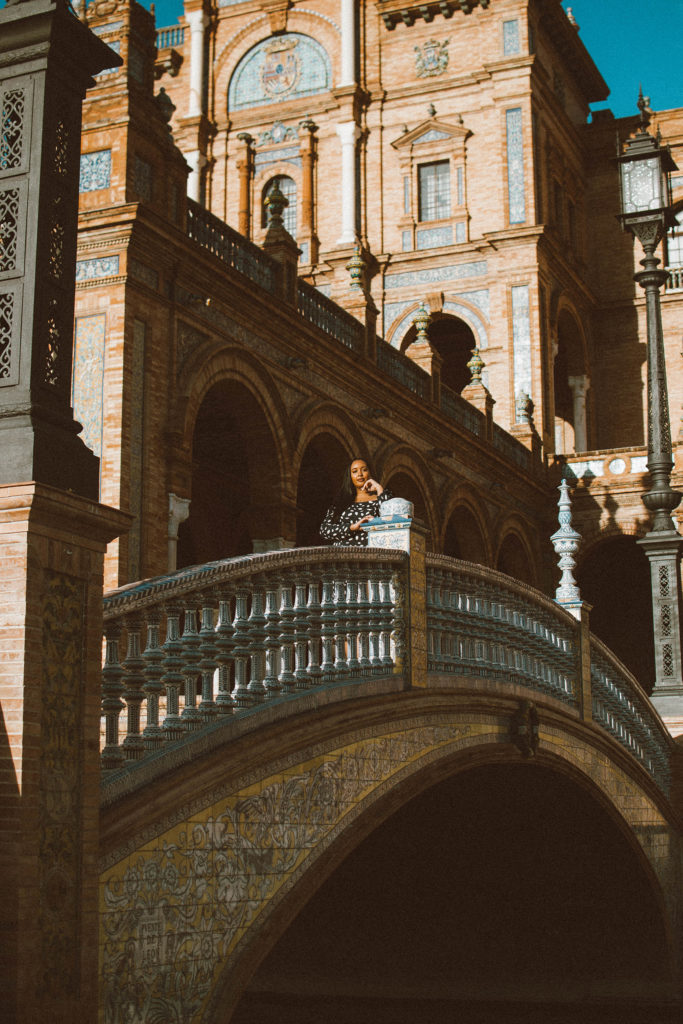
{"x":437,"y":157}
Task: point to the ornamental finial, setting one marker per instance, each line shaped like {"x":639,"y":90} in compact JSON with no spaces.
{"x":475,"y":366}
{"x":566,"y":543}
{"x":421,"y":320}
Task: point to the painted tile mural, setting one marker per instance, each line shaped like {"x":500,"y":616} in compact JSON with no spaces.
{"x":174,"y":912}
{"x":279,"y":68}
{"x":88,"y":377}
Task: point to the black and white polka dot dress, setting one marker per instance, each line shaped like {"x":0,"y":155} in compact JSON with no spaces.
{"x":336,"y":526}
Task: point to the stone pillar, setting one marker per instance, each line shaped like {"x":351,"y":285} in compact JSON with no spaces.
{"x":309,"y":128}
{"x":348,"y":43}
{"x":52,"y":546}
{"x":245,"y":164}
{"x":579,"y":388}
{"x":46,"y":59}
{"x":197,"y":21}
{"x":348,"y":133}
{"x":400,"y":532}
{"x":281,"y":246}
{"x":663,"y":549}
{"x":178,"y":511}
{"x":197,"y":162}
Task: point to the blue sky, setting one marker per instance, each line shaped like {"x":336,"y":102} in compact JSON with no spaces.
{"x":631,"y":41}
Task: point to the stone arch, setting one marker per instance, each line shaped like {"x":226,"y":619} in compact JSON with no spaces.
{"x":327,"y":441}
{"x":515,"y":555}
{"x":466,"y":532}
{"x":288,"y":179}
{"x":310,"y":23}
{"x":402,"y":322}
{"x":616,"y":565}
{"x":390,"y":920}
{"x":571,"y":382}
{"x":234,"y":428}
{"x":217,"y":856}
{"x":289,"y":66}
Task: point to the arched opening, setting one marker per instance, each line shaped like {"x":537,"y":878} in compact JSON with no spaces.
{"x":504,"y":893}
{"x":287,"y":186}
{"x":235,"y":479}
{"x":402,"y":485}
{"x":572,"y":427}
{"x":615,"y":579}
{"x":513,"y":560}
{"x":320,"y":477}
{"x":463,"y":537}
{"x":453,"y":340}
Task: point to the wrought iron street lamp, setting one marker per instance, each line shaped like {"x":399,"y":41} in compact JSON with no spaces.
{"x":645,"y":167}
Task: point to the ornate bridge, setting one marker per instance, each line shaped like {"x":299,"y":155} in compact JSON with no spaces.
{"x":278,"y":706}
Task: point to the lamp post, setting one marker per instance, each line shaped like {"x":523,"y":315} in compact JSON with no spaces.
{"x":644,"y":167}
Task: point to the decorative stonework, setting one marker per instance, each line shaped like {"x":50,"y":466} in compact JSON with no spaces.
{"x":95,"y":171}
{"x":88,"y":377}
{"x":431,"y":58}
{"x":103,"y":266}
{"x":175,"y":912}
{"x":515,"y":162}
{"x":63,"y":613}
{"x":280,"y":68}
{"x":434,"y":274}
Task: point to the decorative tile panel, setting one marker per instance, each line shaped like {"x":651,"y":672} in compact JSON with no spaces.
{"x":115,"y":45}
{"x":289,"y":154}
{"x":433,"y":135}
{"x":433,"y":238}
{"x":95,"y":171}
{"x":461,"y":231}
{"x":521,"y":338}
{"x":433,"y":274}
{"x":511,"y":45}
{"x":88,"y":377}
{"x":137,"y":408}
{"x":480,"y":299}
{"x":406,"y":241}
{"x":515,"y":159}
{"x":304,"y":257}
{"x":278,"y":68}
{"x":104,"y":266}
{"x":142,"y":179}
{"x":141,"y":272}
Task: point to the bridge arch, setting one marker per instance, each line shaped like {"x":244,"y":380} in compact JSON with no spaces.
{"x":239,"y":843}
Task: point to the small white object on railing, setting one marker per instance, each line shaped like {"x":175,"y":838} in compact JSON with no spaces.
{"x":566,"y":542}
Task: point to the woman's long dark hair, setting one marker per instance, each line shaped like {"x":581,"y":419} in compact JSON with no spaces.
{"x":347,"y":492}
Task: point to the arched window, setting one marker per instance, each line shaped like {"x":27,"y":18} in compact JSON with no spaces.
{"x":288,"y":188}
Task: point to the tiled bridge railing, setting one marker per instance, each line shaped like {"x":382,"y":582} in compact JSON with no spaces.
{"x":230,"y":638}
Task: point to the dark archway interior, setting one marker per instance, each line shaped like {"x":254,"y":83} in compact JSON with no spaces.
{"x":454,"y":340}
{"x":513,"y":560}
{"x":403,"y":486}
{"x":320,"y":478}
{"x":235,"y":482}
{"x":502,"y":894}
{"x":615,"y":580}
{"x":463,"y":538}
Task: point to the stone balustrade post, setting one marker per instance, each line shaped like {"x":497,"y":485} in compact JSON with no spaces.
{"x":402,"y":533}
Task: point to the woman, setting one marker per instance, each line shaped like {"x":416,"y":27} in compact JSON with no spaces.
{"x":359,"y":499}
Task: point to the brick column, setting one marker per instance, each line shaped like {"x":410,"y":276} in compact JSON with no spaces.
{"x":245,"y":166}
{"x":52,"y":548}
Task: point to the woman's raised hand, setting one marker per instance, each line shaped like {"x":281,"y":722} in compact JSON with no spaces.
{"x":357,"y":526}
{"x":373,"y":487}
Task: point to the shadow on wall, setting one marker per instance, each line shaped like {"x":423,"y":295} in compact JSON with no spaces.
{"x":614,"y":578}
